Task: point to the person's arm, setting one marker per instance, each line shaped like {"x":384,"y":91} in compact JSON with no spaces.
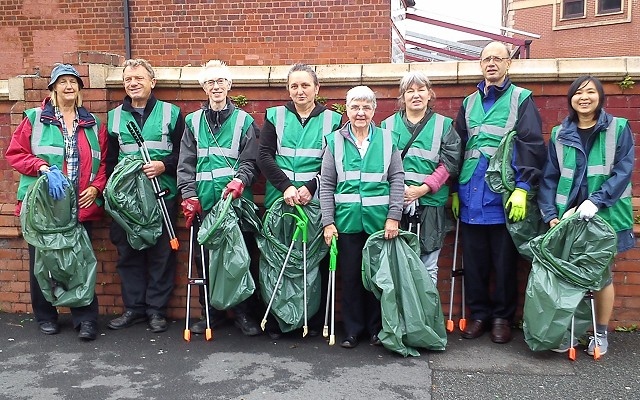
{"x":175,"y":135}
{"x":247,"y":164}
{"x":529,"y":148}
{"x":267,"y":158}
{"x":460,"y":127}
{"x":549,"y":186}
{"x":19,"y":153}
{"x":620,"y":176}
{"x":328,"y":182}
{"x":187,"y":161}
{"x":395,"y":176}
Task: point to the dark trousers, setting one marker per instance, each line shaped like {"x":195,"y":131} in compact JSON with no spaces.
{"x":147,"y":276}
{"x":360,"y":308}
{"x":45,"y":311}
{"x":487,"y":247}
{"x":248,"y":306}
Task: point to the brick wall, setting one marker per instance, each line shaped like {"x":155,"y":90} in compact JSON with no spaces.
{"x":589,"y":37}
{"x":34,"y":34}
{"x":550,"y":98}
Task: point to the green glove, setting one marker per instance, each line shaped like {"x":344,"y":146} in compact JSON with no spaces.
{"x":455,"y":205}
{"x":517,"y":205}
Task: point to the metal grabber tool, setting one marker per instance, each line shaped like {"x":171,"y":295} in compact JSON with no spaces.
{"x":160,"y":193}
{"x":301,"y":230}
{"x":191,"y":280}
{"x":331,"y":294}
{"x":596,"y":349}
{"x":456,"y":272}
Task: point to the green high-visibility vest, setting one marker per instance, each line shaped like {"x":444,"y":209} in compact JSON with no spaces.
{"x":362,"y":187}
{"x":423,"y":157}
{"x":217,"y":160}
{"x":299,"y":149}
{"x":47,"y":143}
{"x":599,"y":164}
{"x":156,"y":134}
{"x":486,"y":129}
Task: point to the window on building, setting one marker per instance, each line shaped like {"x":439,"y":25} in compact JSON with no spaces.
{"x":572,"y":8}
{"x":609,"y":6}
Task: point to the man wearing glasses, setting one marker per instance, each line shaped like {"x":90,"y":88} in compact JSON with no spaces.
{"x":496,"y":108}
{"x":218,"y":159}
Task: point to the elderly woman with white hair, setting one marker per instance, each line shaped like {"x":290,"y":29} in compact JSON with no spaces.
{"x":356,"y":203}
{"x":431,"y":152}
{"x":218,"y":159}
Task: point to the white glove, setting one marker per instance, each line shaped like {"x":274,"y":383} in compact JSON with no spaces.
{"x":587,"y":210}
{"x":410,"y":208}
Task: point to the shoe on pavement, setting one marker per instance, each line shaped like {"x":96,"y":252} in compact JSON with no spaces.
{"x":247,"y":325}
{"x":565,"y":345}
{"x":475,"y":329}
{"x":88,"y":330}
{"x":601,"y":340}
{"x":501,"y":331}
{"x":375,"y":341}
{"x":49,"y":327}
{"x":158,"y":323}
{"x":216,"y":320}
{"x":126,"y":320}
{"x":349,"y":342}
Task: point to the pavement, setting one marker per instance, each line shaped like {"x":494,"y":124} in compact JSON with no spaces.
{"x":134,"y":363}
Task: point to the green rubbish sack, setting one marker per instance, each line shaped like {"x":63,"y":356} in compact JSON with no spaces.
{"x":132,"y":203}
{"x":278,"y":230}
{"x":65,"y":265}
{"x":230,"y":280}
{"x":570,"y":259}
{"x":500,"y":178}
{"x":411,"y":312}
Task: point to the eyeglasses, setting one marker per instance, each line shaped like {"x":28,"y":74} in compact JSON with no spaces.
{"x":495,"y":59}
{"x":365,"y":109}
{"x":219,"y":81}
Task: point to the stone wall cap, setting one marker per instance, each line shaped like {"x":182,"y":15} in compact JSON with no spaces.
{"x":534,"y":70}
{"x":4,"y":89}
{"x":605,"y":68}
{"x":445,"y":72}
{"x":340,"y":74}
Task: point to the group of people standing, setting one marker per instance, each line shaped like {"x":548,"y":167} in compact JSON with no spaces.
{"x":367,"y":178}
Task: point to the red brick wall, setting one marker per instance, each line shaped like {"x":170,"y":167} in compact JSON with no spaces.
{"x":34,"y":34}
{"x":614,"y":40}
{"x":550,"y":99}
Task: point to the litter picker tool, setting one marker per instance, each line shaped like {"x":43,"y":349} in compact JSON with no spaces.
{"x":301,"y":230}
{"x":191,"y":280}
{"x":160,"y":193}
{"x":596,"y":349}
{"x":572,"y":350}
{"x":331,"y":294}
{"x":414,"y":219}
{"x":456,"y":272}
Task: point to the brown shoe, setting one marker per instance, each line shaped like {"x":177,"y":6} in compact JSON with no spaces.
{"x":474,"y":330}
{"x":501,"y":331}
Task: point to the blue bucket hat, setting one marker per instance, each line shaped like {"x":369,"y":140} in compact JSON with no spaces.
{"x":64,"y":69}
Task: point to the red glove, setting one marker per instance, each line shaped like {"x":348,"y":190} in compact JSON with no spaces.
{"x":234,"y":188}
{"x":191,"y":207}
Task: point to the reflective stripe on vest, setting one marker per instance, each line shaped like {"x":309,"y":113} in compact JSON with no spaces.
{"x":163,"y":144}
{"x":232,"y":152}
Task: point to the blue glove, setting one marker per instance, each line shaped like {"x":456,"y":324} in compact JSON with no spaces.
{"x":57,"y":183}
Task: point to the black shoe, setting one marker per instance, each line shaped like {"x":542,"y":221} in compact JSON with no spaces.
{"x":349,"y":342}
{"x":216,"y":320}
{"x":88,"y":330}
{"x":247,"y":325}
{"x":274,"y":334}
{"x":375,"y":341}
{"x":49,"y":328}
{"x":158,"y":323}
{"x":126,"y":320}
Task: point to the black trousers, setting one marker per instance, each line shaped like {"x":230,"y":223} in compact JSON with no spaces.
{"x":360,"y":308}
{"x":45,"y":311}
{"x":147,"y":276}
{"x":486,"y":248}
{"x":248,"y":306}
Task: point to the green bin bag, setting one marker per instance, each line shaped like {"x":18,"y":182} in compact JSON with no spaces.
{"x":230,"y":280}
{"x":570,"y":259}
{"x":64,"y":264}
{"x":274,"y":241}
{"x":500,"y":178}
{"x":410,"y":302}
{"x":132,"y":203}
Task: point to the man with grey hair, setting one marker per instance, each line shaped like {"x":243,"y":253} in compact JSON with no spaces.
{"x":147,"y":276}
{"x":496,"y":108}
{"x":218,"y":159}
